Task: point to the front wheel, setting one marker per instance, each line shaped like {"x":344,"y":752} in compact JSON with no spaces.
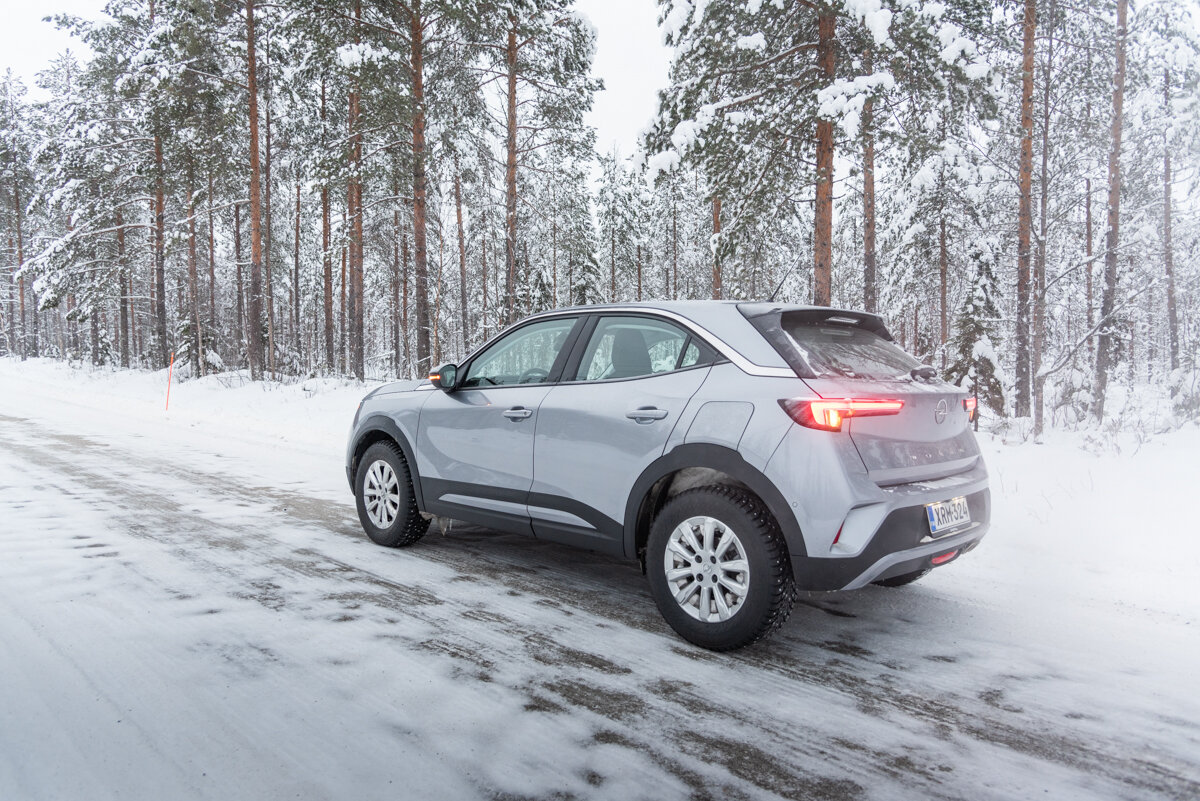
{"x":383,"y":493}
{"x":718,"y":567}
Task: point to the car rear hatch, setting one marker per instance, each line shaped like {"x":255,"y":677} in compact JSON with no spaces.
{"x":851,"y":355}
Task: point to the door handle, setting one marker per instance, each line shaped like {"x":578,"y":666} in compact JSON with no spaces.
{"x":646,"y":414}
{"x":518,"y":413}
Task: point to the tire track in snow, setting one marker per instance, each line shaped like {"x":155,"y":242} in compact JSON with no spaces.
{"x":676,"y":722}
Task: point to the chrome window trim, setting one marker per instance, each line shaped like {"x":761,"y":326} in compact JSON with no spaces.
{"x":716,"y":343}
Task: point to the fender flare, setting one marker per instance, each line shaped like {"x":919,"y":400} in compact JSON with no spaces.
{"x":382,"y":423}
{"x":728,"y":461}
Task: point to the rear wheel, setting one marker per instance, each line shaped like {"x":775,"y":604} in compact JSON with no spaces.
{"x":718,"y":568}
{"x":903,"y":578}
{"x":383,"y":492}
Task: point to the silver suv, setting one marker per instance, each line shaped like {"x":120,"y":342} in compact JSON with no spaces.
{"x":738,"y":450}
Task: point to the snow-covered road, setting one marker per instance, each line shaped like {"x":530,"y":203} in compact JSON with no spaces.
{"x":188,"y":609}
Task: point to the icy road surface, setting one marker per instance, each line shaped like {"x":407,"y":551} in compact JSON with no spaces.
{"x":188,"y":609}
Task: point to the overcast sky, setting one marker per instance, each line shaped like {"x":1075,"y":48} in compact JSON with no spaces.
{"x":630,"y":57}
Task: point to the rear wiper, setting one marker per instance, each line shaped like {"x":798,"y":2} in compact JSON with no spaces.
{"x":925,"y":371}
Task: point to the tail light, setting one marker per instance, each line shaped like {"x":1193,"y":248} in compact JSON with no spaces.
{"x":826,"y":414}
{"x":970,"y":405}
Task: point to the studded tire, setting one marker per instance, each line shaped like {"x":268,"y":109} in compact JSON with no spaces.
{"x":407,"y":525}
{"x":769,"y":589}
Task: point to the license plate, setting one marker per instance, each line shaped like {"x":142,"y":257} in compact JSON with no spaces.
{"x":945,"y":516}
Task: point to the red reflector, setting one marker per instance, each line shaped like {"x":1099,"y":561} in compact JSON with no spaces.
{"x":839,"y":534}
{"x":827,"y":414}
{"x":943,"y":558}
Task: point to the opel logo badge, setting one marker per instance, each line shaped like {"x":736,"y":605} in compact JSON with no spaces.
{"x":940,"y":411}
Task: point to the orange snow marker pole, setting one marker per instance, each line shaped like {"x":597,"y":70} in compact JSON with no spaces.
{"x":170,"y":370}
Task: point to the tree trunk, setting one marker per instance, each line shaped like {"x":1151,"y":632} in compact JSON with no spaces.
{"x":823,"y":233}
{"x":355,"y":206}
{"x":483,"y":268}
{"x":212,"y":259}
{"x":1039,"y":274}
{"x":1025,"y":212}
{"x":123,"y":302}
{"x":197,"y":341}
{"x":943,"y":280}
{"x":396,"y":277}
{"x":241,"y":297}
{"x":342,"y":309}
{"x":420,"y":263}
{"x":326,"y":256}
{"x":268,"y":272}
{"x":160,"y":259}
{"x":256,"y":233}
{"x":296,"y":279}
{"x":510,"y":172}
{"x":12,"y":299}
{"x":612,"y":255}
{"x":1104,"y":342}
{"x":1088,"y":271}
{"x":674,"y":291}
{"x":134,"y":340}
{"x":462,"y":253}
{"x":23,"y":347}
{"x":716,"y":275}
{"x":870,"y":286}
{"x":554,"y":243}
{"x":404,"y":305}
{"x":1168,"y":256}
{"x":639,"y":273}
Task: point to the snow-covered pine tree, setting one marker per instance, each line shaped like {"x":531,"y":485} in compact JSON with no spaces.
{"x":976,"y":366}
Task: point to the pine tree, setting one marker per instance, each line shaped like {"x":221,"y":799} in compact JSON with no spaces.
{"x":976,"y":365}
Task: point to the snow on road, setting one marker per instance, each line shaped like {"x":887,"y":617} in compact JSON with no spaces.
{"x":188,"y":609}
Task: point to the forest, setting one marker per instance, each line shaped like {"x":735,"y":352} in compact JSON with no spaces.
{"x":365,"y":188}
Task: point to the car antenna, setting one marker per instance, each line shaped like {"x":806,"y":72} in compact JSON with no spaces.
{"x":785,"y":277}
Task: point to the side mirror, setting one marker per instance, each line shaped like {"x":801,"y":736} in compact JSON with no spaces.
{"x":444,"y":377}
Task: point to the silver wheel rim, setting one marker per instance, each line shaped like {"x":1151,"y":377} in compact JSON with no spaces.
{"x":381,"y":494}
{"x":707,"y":570}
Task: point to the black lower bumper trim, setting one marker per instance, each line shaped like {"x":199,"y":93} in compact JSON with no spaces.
{"x":901,"y":530}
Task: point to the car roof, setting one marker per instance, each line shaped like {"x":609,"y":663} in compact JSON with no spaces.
{"x":720,"y":319}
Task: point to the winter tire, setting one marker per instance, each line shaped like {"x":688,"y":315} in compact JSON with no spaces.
{"x":903,"y":578}
{"x":718,"y":567}
{"x":383,"y":492}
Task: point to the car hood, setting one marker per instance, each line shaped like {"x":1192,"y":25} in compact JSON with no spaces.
{"x":396,"y":387}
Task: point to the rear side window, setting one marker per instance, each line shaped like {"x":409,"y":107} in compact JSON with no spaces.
{"x":628,"y":347}
{"x":822,"y":344}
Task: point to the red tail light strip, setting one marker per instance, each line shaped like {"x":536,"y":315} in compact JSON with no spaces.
{"x":827,"y":414}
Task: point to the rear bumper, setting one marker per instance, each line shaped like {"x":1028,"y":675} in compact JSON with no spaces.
{"x":901,"y":544}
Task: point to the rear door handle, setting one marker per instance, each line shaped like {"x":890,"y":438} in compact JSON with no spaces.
{"x":646,"y":414}
{"x":518,"y":413}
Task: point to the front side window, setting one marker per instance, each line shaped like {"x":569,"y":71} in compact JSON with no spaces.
{"x":526,"y":356}
{"x":628,"y":347}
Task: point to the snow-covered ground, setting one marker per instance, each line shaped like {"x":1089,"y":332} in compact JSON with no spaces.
{"x":188,"y":609}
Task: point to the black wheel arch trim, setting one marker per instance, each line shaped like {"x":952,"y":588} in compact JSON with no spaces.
{"x":726,"y":460}
{"x":382,"y":423}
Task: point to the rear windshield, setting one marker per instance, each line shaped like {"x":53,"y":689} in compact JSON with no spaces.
{"x":826,"y":345}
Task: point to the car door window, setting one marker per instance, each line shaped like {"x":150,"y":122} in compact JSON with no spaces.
{"x":526,"y":356}
{"x":628,"y":347}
